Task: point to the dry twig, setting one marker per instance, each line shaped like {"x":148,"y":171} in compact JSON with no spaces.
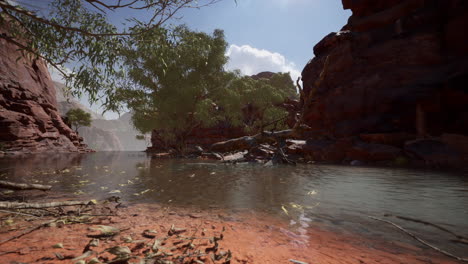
{"x":420,"y":240}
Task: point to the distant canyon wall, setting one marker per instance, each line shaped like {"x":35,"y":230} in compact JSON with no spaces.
{"x":102,"y":135}
{"x":29,"y":119}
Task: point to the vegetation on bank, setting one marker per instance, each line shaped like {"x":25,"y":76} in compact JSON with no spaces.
{"x":77,"y":39}
{"x":177,"y":82}
{"x":172,"y":78}
{"x":78,"y":118}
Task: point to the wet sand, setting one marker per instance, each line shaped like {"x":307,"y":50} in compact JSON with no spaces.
{"x":251,"y":237}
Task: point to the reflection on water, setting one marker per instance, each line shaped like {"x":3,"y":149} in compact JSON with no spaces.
{"x":301,"y":192}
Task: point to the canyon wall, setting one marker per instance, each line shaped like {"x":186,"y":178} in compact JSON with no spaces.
{"x":397,"y":72}
{"x":29,"y":119}
{"x":103,"y":135}
{"x":96,"y":138}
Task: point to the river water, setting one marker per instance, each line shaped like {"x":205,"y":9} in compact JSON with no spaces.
{"x":341,"y":197}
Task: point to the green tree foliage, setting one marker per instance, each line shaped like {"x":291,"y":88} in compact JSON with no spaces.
{"x":77,"y":34}
{"x":174,"y":74}
{"x":178,"y":83}
{"x":78,"y":118}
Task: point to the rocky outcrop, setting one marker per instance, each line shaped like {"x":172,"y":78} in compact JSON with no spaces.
{"x":29,"y":120}
{"x":396,"y":72}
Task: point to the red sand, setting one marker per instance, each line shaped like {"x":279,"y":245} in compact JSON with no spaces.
{"x":252,"y":238}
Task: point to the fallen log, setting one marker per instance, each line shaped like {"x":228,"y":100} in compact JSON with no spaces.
{"x":23,"y":186}
{"x":17,"y":205}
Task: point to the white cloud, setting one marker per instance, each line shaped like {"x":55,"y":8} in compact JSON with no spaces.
{"x":251,"y":61}
{"x":56,"y":75}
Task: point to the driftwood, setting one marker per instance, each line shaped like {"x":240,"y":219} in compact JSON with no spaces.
{"x":420,"y":240}
{"x":249,"y":142}
{"x":17,"y":205}
{"x":245,"y":143}
{"x":23,"y":186}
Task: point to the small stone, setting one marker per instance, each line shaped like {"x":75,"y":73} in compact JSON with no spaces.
{"x":94,"y":242}
{"x":150,"y":233}
{"x":58,"y":245}
{"x":127,"y":239}
{"x":94,"y":261}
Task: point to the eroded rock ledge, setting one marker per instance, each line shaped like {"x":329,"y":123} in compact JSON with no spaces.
{"x":391,"y":82}
{"x":29,"y":120}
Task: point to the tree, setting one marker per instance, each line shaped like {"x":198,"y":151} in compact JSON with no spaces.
{"x":146,"y":138}
{"x":260,"y":101}
{"x":177,"y":83}
{"x":174,"y":74}
{"x":78,"y":118}
{"x":76,"y":34}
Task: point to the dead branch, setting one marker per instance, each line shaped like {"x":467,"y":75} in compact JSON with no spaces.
{"x":26,"y":232}
{"x":18,"y":213}
{"x":247,"y":142}
{"x":17,"y":205}
{"x":460,"y":241}
{"x":430,"y":224}
{"x":9,"y":252}
{"x":420,"y":240}
{"x":23,"y":186}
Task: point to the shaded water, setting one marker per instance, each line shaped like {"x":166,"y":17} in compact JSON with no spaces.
{"x":335,"y":195}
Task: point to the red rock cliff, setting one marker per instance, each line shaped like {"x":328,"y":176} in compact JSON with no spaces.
{"x":29,"y":120}
{"x":397,"y":66}
{"x":396,"y":72}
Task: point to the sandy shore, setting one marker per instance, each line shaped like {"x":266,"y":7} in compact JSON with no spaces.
{"x":183,"y":236}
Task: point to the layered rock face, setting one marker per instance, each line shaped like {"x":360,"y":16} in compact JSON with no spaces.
{"x":396,"y":72}
{"x":29,"y":119}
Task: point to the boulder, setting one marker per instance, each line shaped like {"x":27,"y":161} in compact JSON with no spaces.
{"x":372,"y":152}
{"x":392,"y":139}
{"x":433,"y":152}
{"x":321,"y":149}
{"x":458,"y":142}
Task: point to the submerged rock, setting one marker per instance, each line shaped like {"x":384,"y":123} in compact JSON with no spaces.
{"x":372,"y":152}
{"x":433,"y":152}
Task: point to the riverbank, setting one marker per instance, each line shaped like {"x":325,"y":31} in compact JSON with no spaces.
{"x":208,"y":236}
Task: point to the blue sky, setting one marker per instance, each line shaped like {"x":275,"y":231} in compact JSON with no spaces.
{"x":288,"y":27}
{"x":266,"y":35}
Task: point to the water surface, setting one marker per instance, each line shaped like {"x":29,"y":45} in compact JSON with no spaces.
{"x":340,"y":196}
